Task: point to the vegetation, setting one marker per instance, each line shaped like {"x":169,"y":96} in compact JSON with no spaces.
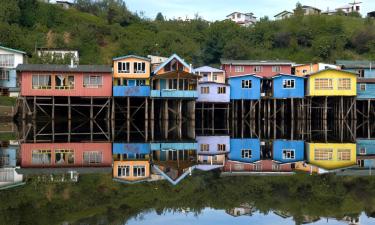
{"x":103,"y":29}
{"x":97,"y":198}
{"x":7,"y":101}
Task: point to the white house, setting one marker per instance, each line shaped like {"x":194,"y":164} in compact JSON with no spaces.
{"x":64,"y":4}
{"x":283,"y":15}
{"x":243,"y":19}
{"x":310,"y":10}
{"x":58,"y":53}
{"x":350,"y":7}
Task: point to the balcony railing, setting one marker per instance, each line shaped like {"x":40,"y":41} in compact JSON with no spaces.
{"x":172,"y":93}
{"x":131,"y":91}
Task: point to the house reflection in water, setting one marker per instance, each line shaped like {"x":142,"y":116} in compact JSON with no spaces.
{"x":243,"y":210}
{"x":212,"y":151}
{"x":8,"y":162}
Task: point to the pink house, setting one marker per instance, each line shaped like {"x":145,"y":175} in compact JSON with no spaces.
{"x":260,"y":166}
{"x":53,"y":155}
{"x":265,"y":69}
{"x":65,"y":80}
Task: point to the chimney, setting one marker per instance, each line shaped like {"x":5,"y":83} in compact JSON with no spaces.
{"x":191,"y":68}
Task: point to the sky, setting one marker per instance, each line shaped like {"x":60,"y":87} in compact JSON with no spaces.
{"x":218,"y":9}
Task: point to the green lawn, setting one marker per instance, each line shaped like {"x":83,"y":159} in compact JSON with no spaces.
{"x":7,"y":101}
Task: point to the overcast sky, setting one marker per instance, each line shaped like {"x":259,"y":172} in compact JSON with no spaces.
{"x":218,"y":9}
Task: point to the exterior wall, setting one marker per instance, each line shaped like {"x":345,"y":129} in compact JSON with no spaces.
{"x":174,"y":146}
{"x":335,"y":76}
{"x":368,"y":145}
{"x":368,"y":73}
{"x":237,"y":145}
{"x":180,"y":65}
{"x":18,"y":59}
{"x":297,"y":146}
{"x":368,"y":93}
{"x":280,"y":92}
{"x":211,"y":159}
{"x":303,"y":70}
{"x":104,"y":91}
{"x":213,"y":142}
{"x":131,"y":149}
{"x":79,"y":149}
{"x":131,"y":91}
{"x":334,"y":163}
{"x":210,"y":75}
{"x":237,"y":92}
{"x":132,"y":74}
{"x":11,"y":153}
{"x":261,"y":166}
{"x":213,"y":95}
{"x":131,"y":176}
{"x":249,"y":69}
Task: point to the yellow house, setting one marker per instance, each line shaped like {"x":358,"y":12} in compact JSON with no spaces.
{"x":131,"y":70}
{"x":132,"y":170}
{"x":331,"y":155}
{"x":331,"y":82}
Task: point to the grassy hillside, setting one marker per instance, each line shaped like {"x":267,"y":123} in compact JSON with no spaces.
{"x":106,"y":29}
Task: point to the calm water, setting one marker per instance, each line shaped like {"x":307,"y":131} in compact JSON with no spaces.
{"x":216,"y":172}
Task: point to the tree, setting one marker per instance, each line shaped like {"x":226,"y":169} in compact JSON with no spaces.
{"x":9,"y":11}
{"x":235,"y":49}
{"x":159,"y":17}
{"x":298,"y":11}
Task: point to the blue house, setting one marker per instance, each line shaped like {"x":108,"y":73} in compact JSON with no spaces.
{"x":286,"y":151}
{"x":131,"y":150}
{"x":244,"y":150}
{"x":366,"y":88}
{"x":288,"y":86}
{"x":8,"y":157}
{"x":366,"y":153}
{"x":9,"y":60}
{"x":245,"y":87}
{"x":174,"y":78}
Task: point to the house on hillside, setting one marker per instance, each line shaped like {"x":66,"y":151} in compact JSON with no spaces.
{"x":64,"y":4}
{"x":57,"y":54}
{"x":283,"y":15}
{"x":371,"y":14}
{"x":243,"y":19}
{"x":9,"y":60}
{"x":310,"y":10}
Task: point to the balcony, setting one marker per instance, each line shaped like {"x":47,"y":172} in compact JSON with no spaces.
{"x":172,"y":93}
{"x":131,"y":91}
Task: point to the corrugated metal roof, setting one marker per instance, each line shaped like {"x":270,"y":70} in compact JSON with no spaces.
{"x":174,"y":56}
{"x":356,"y":64}
{"x":330,"y":69}
{"x":256,"y":62}
{"x":208,"y":69}
{"x":366,"y":80}
{"x":12,"y":50}
{"x":64,"y":68}
{"x":132,"y":56}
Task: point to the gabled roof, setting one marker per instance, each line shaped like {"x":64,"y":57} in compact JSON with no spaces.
{"x":208,"y":69}
{"x":311,"y":7}
{"x":288,"y":75}
{"x":131,"y":56}
{"x":12,"y":50}
{"x":256,"y":62}
{"x":344,"y":71}
{"x":283,"y":13}
{"x":174,"y":56}
{"x":356,"y":64}
{"x":64,"y":68}
{"x":212,"y":82}
{"x":245,"y":75}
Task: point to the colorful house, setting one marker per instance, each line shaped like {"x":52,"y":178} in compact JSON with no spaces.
{"x":288,"y":151}
{"x":332,"y":82}
{"x":265,"y":69}
{"x":262,"y":167}
{"x":38,"y":155}
{"x":247,"y":87}
{"x":9,"y":60}
{"x":131,"y":76}
{"x":213,"y":92}
{"x":65,"y":80}
{"x":8,"y":157}
{"x":212,"y":150}
{"x":364,"y":69}
{"x":210,"y":74}
{"x":366,"y":153}
{"x":174,"y":78}
{"x":331,"y":155}
{"x":305,"y":69}
{"x":244,"y":150}
{"x":288,"y":86}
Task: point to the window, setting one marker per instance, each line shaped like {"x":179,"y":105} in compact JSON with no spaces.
{"x":362,"y":87}
{"x":139,"y":171}
{"x":92,"y":157}
{"x":205,"y":90}
{"x":344,"y":84}
{"x":323,"y":154}
{"x":214,"y":77}
{"x":343,"y":155}
{"x":123,"y":67}
{"x":221,"y":147}
{"x":258,"y":167}
{"x":288,"y":83}
{"x":361,"y":73}
{"x":139,"y":67}
{"x":7,"y":60}
{"x":239,"y":69}
{"x":276,"y":68}
{"x":64,"y":82}
{"x":4,"y":160}
{"x":288,"y":154}
{"x":323,"y":84}
{"x":172,"y":84}
{"x":246,"y":84}
{"x":140,"y":82}
{"x":362,"y":151}
{"x":221,"y":90}
{"x":92,"y":81}
{"x":64,"y":156}
{"x":205,"y":147}
{"x":123,"y":171}
{"x":304,"y":71}
{"x":41,"y":81}
{"x":258,"y":68}
{"x":41,"y":157}
{"x":276,"y":167}
{"x":246,"y":153}
{"x":4,"y":75}
{"x":238,"y":15}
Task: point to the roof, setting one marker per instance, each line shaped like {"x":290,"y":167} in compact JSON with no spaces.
{"x":64,"y":68}
{"x":131,"y":56}
{"x":245,"y":75}
{"x":256,"y":62}
{"x":366,"y":80}
{"x":311,"y":7}
{"x":80,"y":170}
{"x":12,"y":50}
{"x":67,"y":2}
{"x":360,"y":64}
{"x":57,"y":49}
{"x":344,"y":71}
{"x":176,"y":74}
{"x":174,"y":56}
{"x":208,"y":69}
{"x":212,"y":82}
{"x":288,"y":75}
{"x":283,"y":12}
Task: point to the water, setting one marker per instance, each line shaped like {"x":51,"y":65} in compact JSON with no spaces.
{"x":216,"y":172}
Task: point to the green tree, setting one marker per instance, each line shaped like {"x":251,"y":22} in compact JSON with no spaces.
{"x":159,"y":17}
{"x":298,"y":11}
{"x":9,"y":11}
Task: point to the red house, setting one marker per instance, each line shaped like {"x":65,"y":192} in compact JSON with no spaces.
{"x":54,"y":155}
{"x":260,"y":68}
{"x":65,"y":80}
{"x":260,"y":166}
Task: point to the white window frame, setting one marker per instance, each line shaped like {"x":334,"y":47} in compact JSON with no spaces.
{"x":137,"y":171}
{"x":287,"y":83}
{"x":342,"y":88}
{"x":93,"y":85}
{"x":246,"y":84}
{"x":125,"y":171}
{"x":122,"y":65}
{"x":221,"y":147}
{"x":239,"y":69}
{"x":205,"y":147}
{"x":258,"y":69}
{"x":205,"y":90}
{"x":138,"y":67}
{"x":38,"y":85}
{"x":4,"y":75}
{"x":221,"y":90}
{"x":287,"y":154}
{"x":246,"y":153}
{"x":94,"y":157}
{"x":362,"y":87}
{"x":276,"y":69}
{"x":214,"y":77}
{"x":362,"y":151}
{"x":340,"y":153}
{"x":7,"y":60}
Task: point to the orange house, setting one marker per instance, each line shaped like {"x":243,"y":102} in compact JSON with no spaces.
{"x":131,"y":70}
{"x":305,"y":69}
